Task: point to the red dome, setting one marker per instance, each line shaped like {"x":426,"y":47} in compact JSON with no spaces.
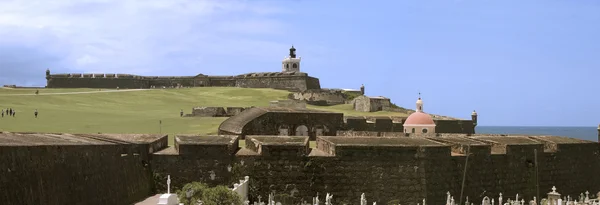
{"x":419,"y":118}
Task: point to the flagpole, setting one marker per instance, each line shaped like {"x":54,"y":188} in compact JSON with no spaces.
{"x":160,"y":126}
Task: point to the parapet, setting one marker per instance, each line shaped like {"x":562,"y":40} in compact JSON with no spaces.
{"x":202,"y":146}
{"x":271,"y":74}
{"x":378,"y":146}
{"x":555,"y":144}
{"x":288,"y":146}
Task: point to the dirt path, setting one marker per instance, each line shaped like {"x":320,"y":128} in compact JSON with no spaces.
{"x":74,"y":93}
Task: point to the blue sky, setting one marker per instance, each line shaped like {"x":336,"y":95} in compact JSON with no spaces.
{"x":525,"y":63}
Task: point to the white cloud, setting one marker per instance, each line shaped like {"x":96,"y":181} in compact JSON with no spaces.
{"x":134,"y":36}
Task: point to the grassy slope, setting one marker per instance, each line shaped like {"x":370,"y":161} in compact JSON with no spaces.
{"x":134,"y":111}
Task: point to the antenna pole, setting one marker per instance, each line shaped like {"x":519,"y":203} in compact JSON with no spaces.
{"x":537,"y":180}
{"x":462,"y":187}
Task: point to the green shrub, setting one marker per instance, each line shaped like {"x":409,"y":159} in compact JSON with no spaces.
{"x":221,"y":195}
{"x":196,"y":189}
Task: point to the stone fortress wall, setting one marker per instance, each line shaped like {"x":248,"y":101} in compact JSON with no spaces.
{"x":76,"y":169}
{"x":407,"y":169}
{"x":103,"y":168}
{"x":295,"y":81}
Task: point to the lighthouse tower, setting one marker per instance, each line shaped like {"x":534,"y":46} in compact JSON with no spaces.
{"x":291,"y":63}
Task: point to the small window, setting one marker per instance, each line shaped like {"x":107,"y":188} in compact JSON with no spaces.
{"x":424,"y":130}
{"x":413,"y":130}
{"x":295,"y":65}
{"x":287,"y":65}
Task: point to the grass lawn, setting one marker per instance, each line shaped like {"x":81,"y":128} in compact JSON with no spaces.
{"x":134,"y":111}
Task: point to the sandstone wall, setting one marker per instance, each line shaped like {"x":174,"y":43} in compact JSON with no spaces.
{"x":124,"y":82}
{"x":73,"y":174}
{"x":276,"y":80}
{"x":320,"y":97}
{"x":285,"y":82}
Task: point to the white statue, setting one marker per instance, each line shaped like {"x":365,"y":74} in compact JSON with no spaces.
{"x":271,"y":199}
{"x":168,"y":184}
{"x":363,"y":199}
{"x":328,"y":198}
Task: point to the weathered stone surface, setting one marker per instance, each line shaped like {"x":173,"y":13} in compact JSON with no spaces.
{"x":209,"y":112}
{"x":74,"y":169}
{"x":409,"y":169}
{"x":282,"y":121}
{"x":371,"y":104}
{"x":296,"y":81}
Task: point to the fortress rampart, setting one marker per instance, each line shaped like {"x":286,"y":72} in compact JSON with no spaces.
{"x":294,"y":81}
{"x":388,"y":168}
{"x":395,"y":124}
{"x":76,"y":169}
{"x":120,"y":169}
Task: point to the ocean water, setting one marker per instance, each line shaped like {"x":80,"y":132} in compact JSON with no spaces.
{"x":585,"y":133}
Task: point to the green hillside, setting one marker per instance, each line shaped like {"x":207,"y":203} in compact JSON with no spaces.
{"x":132,"y":111}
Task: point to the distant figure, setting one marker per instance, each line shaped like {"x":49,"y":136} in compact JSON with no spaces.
{"x":14,"y":113}
{"x":37,"y":92}
{"x":35,"y":113}
{"x":10,"y":111}
{"x":181,"y":113}
{"x":2,"y":112}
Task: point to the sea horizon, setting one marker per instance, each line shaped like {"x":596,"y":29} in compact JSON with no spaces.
{"x":579,"y":132}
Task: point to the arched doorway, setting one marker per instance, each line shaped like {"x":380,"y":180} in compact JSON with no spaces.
{"x":284,"y":130}
{"x":302,"y":130}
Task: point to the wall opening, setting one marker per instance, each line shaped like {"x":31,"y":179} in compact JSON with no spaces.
{"x":302,"y":130}
{"x":284,"y":130}
{"x":295,"y":65}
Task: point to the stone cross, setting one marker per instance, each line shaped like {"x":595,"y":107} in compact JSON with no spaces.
{"x":500,"y":199}
{"x":168,"y":184}
{"x":587,"y":196}
{"x":259,"y":197}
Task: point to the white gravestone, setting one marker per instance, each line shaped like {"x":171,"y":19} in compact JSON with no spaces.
{"x":168,"y":198}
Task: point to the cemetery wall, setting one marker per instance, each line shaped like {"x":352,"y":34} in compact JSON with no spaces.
{"x":404,"y":173}
{"x":72,"y":174}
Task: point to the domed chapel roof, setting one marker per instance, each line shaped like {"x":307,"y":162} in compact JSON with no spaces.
{"x":419,"y":117}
